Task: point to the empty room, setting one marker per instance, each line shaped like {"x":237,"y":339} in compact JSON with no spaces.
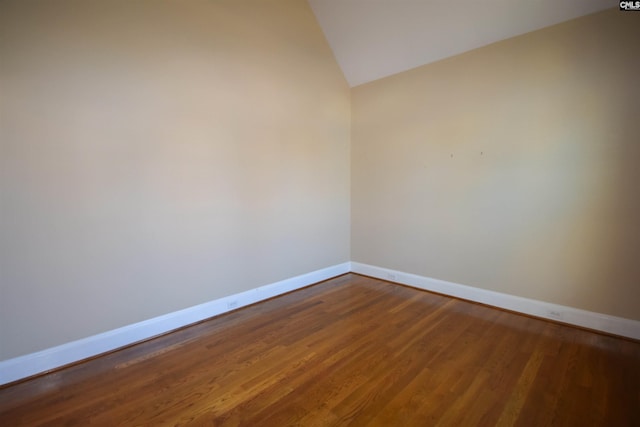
{"x":319,"y":213}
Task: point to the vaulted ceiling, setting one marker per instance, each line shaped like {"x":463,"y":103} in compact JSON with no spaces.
{"x":372,"y":39}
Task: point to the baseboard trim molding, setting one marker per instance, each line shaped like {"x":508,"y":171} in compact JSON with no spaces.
{"x":56,"y":357}
{"x":560,"y":313}
{"x":21,"y":367}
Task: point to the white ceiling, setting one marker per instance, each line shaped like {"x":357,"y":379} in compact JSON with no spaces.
{"x":376,"y":38}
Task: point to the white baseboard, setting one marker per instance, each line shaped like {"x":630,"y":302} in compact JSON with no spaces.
{"x":55,"y":357}
{"x":573,"y":316}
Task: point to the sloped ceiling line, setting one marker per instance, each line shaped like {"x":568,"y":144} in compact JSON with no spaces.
{"x":372,"y":39}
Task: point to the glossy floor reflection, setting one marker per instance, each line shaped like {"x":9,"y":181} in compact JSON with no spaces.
{"x":351,"y":350}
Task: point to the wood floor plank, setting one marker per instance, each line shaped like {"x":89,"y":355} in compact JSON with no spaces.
{"x":348,"y":351}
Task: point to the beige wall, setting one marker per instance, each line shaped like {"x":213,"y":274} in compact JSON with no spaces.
{"x":159,"y":154}
{"x":514,"y":167}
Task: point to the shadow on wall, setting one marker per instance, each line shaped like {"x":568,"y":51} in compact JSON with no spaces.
{"x":512,"y":167}
{"x":585,"y":231}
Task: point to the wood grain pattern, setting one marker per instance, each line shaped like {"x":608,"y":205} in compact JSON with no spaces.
{"x":349,"y":351}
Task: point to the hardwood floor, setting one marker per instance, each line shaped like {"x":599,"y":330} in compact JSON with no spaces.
{"x":352,"y":350}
